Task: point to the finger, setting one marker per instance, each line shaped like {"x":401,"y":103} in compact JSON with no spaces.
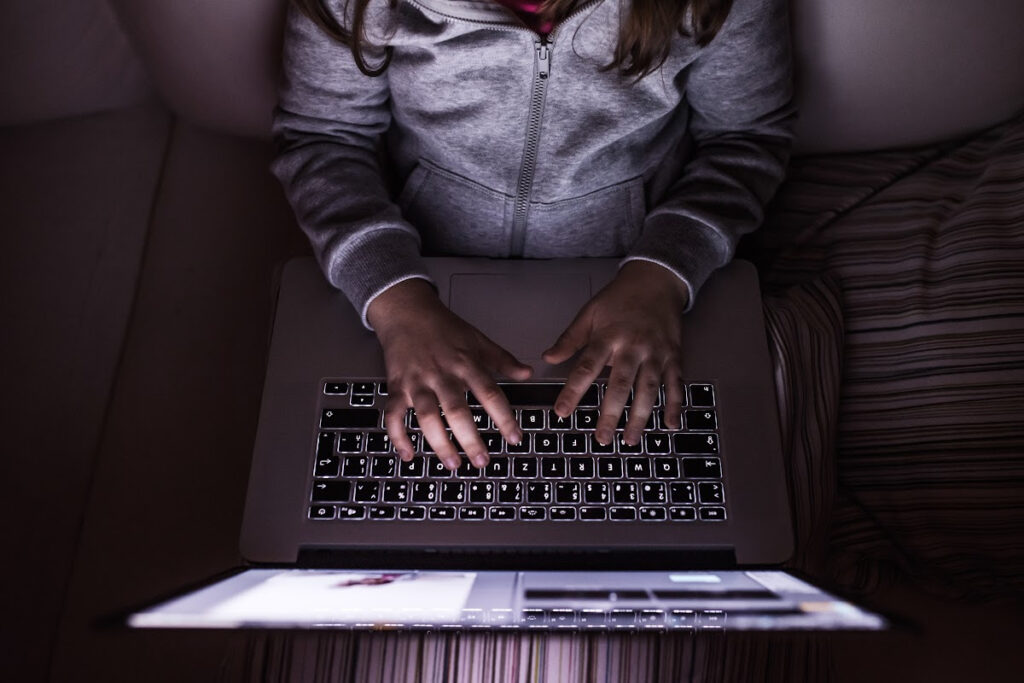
{"x":588,"y":367}
{"x":501,"y":360}
{"x":624,"y":369}
{"x":493,"y":400}
{"x":648,"y":379}
{"x":460,"y":419}
{"x":571,"y":340}
{"x":394,"y":422}
{"x":673,"y":397}
{"x":432,"y":427}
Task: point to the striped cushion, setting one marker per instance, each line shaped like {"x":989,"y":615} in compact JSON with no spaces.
{"x":929,"y":248}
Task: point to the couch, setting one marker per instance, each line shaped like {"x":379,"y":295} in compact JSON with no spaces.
{"x":141,"y":231}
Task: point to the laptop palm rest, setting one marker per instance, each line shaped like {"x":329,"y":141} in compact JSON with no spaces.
{"x":539,"y":308}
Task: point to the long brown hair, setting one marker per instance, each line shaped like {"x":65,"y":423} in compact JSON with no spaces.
{"x":645,"y":36}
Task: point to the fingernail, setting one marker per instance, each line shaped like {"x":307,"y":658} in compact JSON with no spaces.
{"x":517,"y":437}
{"x":451,"y":463}
{"x":480,"y":461}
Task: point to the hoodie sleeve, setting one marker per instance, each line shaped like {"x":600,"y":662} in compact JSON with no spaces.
{"x":740,"y":93}
{"x":327,"y":129}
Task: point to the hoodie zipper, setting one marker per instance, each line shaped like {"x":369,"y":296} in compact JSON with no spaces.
{"x":524,"y":184}
{"x":542,"y":51}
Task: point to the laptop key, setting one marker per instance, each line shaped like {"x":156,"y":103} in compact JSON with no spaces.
{"x":493,"y":441}
{"x":586,"y":419}
{"x":574,"y":443}
{"x":335,"y":388}
{"x":383,"y":466}
{"x":553,"y":468}
{"x":627,"y":449}
{"x":481,"y":492}
{"x":702,"y":396}
{"x":653,"y":492}
{"x":531,"y":419}
{"x":396,"y":492}
{"x":414,"y":512}
{"x":350,"y":442}
{"x":622,"y":514}
{"x":652,"y":514}
{"x":321,"y":512}
{"x":638,"y":468}
{"x":701,"y":420}
{"x":363,"y":388}
{"x":497,"y":468}
{"x":350,"y":418}
{"x":503,"y":513}
{"x":412,"y":469}
{"x":367,"y":491}
{"x":453,"y":492}
{"x":436,"y":468}
{"x":327,"y":466}
{"x":378,"y":442}
{"x":609,"y":468}
{"x":712,"y":514}
{"x":525,"y":468}
{"x":472,"y":512}
{"x":563,"y":514}
{"x":683,"y":492}
{"x":531,"y":513}
{"x":702,"y":468}
{"x":711,"y":492}
{"x":567,"y":492}
{"x":510,"y":492}
{"x":382,"y":512}
{"x":545,"y":442}
{"x":657,"y":444}
{"x":682,"y":514}
{"x":538,"y":492}
{"x":596,"y":492}
{"x":558,"y":422}
{"x":597,"y":448}
{"x":442,"y":512}
{"x":592,"y":514}
{"x":624,"y":492}
{"x":355,"y":466}
{"x":686,"y":444}
{"x":351,"y":512}
{"x":325,"y":444}
{"x":467,"y":470}
{"x":361,"y":400}
{"x":666,"y":468}
{"x":331,"y":491}
{"x":581,"y":468}
{"x":525,"y":445}
{"x":424,"y":492}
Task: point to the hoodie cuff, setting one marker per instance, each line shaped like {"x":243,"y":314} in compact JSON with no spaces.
{"x":688,"y":248}
{"x":365,"y":270}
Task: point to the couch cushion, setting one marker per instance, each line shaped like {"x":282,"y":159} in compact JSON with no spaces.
{"x":60,"y":59}
{"x":171,"y":475}
{"x":75,"y":199}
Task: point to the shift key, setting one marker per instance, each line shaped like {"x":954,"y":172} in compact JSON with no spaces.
{"x":349,"y":418}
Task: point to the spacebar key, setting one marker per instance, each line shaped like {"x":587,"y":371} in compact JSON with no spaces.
{"x":349,"y":418}
{"x":543,"y":394}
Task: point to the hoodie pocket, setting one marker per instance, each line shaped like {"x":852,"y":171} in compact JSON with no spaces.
{"x":454,"y":215}
{"x":605,"y":222}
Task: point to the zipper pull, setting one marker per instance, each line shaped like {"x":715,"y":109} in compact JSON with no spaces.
{"x":543,"y":58}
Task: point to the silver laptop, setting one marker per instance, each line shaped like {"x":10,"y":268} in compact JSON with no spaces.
{"x":681,"y":531}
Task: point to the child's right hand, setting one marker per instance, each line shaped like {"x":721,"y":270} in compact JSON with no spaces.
{"x":432,"y":357}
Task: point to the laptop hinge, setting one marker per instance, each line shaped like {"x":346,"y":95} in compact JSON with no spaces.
{"x":506,"y":558}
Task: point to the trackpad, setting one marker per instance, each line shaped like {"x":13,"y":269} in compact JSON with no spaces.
{"x":523,"y":313}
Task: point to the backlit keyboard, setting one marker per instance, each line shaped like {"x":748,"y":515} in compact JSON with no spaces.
{"x":559,"y":472}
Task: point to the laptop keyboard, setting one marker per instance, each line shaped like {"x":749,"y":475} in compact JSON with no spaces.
{"x":558,"y":473}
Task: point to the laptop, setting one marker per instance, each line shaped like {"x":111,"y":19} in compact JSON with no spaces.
{"x":682,"y":531}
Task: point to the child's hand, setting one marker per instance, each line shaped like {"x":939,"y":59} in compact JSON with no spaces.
{"x":634,"y":325}
{"x":432,"y":356}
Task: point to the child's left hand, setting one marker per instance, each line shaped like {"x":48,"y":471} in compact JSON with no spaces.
{"x":634,"y":325}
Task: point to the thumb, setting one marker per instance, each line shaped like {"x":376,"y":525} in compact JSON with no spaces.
{"x":572,"y":340}
{"x":507,"y":364}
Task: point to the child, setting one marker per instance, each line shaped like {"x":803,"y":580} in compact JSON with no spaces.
{"x":655,"y":130}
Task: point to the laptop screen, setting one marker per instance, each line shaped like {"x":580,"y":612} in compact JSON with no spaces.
{"x":653,"y":600}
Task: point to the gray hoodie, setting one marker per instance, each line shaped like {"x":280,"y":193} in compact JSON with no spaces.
{"x":504,"y":144}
